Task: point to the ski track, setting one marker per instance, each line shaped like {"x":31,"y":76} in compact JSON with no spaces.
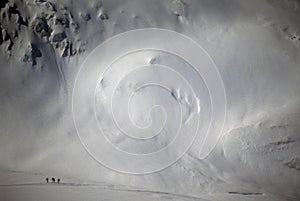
{"x":108,"y":187}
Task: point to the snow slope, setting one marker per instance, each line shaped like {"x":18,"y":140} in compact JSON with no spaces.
{"x":254,"y":46}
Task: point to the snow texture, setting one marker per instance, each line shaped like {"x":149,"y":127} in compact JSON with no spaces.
{"x":255,"y":46}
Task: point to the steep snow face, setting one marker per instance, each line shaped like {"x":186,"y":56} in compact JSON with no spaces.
{"x":156,"y":107}
{"x":204,"y":95}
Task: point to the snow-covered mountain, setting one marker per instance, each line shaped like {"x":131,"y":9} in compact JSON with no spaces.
{"x":150,"y":99}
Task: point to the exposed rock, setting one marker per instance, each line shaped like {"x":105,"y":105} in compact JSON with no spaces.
{"x":65,"y":48}
{"x":283,"y":142}
{"x":63,"y":21}
{"x":13,"y":10}
{"x":103,"y":16}
{"x":51,"y":22}
{"x":58,"y":37}
{"x":10,"y":44}
{"x":39,"y":1}
{"x":3,"y":3}
{"x":6,"y":40}
{"x":35,"y":52}
{"x":31,"y":54}
{"x":3,"y":15}
{"x":178,"y":7}
{"x":291,"y":34}
{"x":85,"y":16}
{"x":1,"y":38}
{"x":15,"y":34}
{"x":49,"y":6}
{"x":24,"y":21}
{"x":74,"y":26}
{"x":296,"y":37}
{"x":41,"y":27}
{"x":294,"y":163}
{"x":5,"y":35}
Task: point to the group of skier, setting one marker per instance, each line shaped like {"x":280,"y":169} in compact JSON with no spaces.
{"x":53,"y":180}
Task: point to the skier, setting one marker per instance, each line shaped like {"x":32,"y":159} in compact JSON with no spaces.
{"x":47,"y":180}
{"x":58,"y":180}
{"x":53,"y":179}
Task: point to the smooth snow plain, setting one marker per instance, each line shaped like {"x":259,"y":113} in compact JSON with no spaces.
{"x":153,"y":100}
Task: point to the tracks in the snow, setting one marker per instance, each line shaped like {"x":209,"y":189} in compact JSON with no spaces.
{"x":110,"y":188}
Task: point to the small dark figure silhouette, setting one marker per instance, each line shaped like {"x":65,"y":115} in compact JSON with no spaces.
{"x":53,"y":179}
{"x":47,"y":180}
{"x":58,"y":180}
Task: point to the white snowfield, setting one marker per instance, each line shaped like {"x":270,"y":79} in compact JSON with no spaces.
{"x":150,"y":100}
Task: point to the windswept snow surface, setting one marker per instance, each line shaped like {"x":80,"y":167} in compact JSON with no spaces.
{"x":153,"y":100}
